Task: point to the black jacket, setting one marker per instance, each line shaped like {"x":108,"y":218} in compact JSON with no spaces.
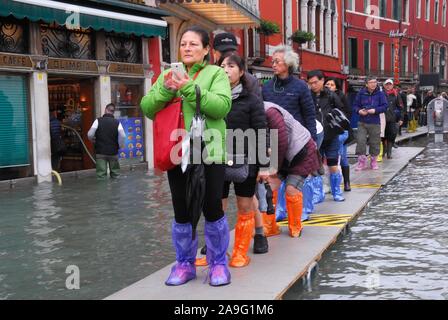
{"x":325,"y":102}
{"x":247,"y":112}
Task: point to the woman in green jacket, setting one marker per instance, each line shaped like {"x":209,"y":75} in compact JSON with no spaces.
{"x":215,"y":104}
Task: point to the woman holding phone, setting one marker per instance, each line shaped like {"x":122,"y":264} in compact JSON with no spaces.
{"x":215,"y":104}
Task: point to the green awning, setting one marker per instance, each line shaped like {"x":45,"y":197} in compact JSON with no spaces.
{"x":62,"y":13}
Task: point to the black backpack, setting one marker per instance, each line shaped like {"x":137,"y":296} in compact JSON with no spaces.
{"x":390,"y":112}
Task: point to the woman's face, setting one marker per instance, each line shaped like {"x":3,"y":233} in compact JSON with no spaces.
{"x":331,"y":85}
{"x":191,"y":49}
{"x":233,"y":71}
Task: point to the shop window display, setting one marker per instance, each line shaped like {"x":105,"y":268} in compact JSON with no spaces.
{"x":126,"y":95}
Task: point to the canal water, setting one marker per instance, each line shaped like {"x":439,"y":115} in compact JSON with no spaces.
{"x":398,"y":247}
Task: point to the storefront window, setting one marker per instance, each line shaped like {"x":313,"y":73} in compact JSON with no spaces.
{"x":126,"y":95}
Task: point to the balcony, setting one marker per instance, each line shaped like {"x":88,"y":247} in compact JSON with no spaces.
{"x":379,"y":73}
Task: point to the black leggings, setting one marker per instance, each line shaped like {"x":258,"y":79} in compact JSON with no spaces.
{"x":212,"y":209}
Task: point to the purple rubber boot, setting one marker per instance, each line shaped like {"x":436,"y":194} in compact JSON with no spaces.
{"x":217,"y":240}
{"x":184,"y":270}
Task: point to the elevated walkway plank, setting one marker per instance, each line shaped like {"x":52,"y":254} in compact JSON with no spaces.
{"x":270,"y":275}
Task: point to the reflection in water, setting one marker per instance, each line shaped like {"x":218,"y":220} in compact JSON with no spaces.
{"x":116,"y":231}
{"x":398,"y":248}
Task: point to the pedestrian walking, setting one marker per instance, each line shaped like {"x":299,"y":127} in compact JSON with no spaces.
{"x":58,"y":147}
{"x":369,"y":103}
{"x":345,"y":138}
{"x":392,"y":115}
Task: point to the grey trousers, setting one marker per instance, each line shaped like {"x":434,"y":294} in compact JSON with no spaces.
{"x":368,"y":134}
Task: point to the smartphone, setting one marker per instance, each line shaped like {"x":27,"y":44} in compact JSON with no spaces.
{"x":178,"y":70}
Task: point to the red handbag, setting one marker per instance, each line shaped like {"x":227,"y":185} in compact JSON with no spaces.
{"x":165,"y":122}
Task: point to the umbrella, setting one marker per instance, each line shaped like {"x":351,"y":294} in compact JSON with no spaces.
{"x":195,"y":185}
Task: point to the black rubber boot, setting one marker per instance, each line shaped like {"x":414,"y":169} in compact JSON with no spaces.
{"x":346,"y":175}
{"x":389,"y":150}
{"x":260,"y":244}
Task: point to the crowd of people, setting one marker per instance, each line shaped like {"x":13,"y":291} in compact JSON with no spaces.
{"x":311,"y":119}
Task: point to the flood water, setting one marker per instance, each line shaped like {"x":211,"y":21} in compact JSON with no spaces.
{"x":398,"y":247}
{"x":116,"y":232}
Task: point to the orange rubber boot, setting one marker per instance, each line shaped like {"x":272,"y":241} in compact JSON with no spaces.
{"x":243,"y":236}
{"x":201,"y":262}
{"x":270,"y":226}
{"x":294,"y":206}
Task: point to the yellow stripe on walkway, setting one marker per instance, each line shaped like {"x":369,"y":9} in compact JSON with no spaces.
{"x":323,"y":220}
{"x":366,"y":186}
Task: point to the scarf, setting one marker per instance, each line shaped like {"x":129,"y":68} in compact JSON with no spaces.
{"x":236,"y":91}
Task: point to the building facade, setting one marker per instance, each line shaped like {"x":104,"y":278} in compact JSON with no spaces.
{"x":73,"y":58}
{"x":396,"y":38}
{"x":429,"y":30}
{"x":323,"y":18}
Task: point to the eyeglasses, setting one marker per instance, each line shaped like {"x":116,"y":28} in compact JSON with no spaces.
{"x":312,"y":83}
{"x":276,"y":61}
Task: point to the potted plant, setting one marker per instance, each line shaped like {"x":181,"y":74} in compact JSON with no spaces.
{"x":268,"y":28}
{"x":301,"y":37}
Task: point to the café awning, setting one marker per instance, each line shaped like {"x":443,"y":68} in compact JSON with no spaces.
{"x":225,"y":13}
{"x":74,"y":16}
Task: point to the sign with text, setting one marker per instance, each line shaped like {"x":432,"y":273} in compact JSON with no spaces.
{"x":72,"y":65}
{"x":15,"y":61}
{"x":127,"y":68}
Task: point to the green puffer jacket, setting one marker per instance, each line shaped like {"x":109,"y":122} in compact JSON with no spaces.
{"x":215,"y":104}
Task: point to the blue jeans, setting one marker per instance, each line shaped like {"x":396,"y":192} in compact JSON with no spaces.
{"x":343,"y":149}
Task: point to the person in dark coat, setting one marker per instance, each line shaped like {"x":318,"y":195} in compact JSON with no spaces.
{"x":57,"y":142}
{"x":247,"y":113}
{"x":325,"y":101}
{"x":108,"y":135}
{"x":334,"y":85}
{"x":393,"y":116}
{"x":289,"y":92}
{"x":224,"y":43}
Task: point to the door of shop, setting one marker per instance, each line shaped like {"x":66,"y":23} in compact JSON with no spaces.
{"x":72,"y":99}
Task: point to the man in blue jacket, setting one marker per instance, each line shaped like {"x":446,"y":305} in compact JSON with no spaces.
{"x":369,"y":103}
{"x":289,"y":92}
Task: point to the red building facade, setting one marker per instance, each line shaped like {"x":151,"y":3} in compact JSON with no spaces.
{"x":320,"y":17}
{"x":416,"y":28}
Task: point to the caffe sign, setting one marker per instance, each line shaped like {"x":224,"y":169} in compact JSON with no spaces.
{"x":15,"y":60}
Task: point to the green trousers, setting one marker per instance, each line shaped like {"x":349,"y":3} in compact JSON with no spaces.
{"x":101,"y":166}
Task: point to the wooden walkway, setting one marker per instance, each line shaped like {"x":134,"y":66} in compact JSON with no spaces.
{"x":270,"y":275}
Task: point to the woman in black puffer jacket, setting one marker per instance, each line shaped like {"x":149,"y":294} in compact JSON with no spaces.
{"x":247,"y":113}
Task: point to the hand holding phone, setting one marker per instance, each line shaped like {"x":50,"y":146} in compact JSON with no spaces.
{"x":178,"y":71}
